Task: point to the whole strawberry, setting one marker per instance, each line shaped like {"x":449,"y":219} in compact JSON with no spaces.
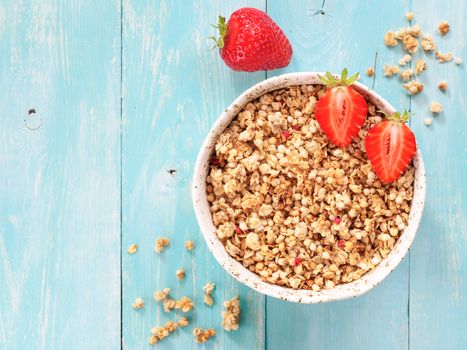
{"x":251,"y":41}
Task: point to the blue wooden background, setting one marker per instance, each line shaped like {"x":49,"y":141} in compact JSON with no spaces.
{"x":99,"y":99}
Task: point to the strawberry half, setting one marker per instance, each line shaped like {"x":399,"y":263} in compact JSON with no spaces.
{"x":341,"y":111}
{"x":390,"y":146}
{"x":252,"y":41}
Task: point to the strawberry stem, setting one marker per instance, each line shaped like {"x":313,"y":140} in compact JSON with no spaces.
{"x":331,"y":81}
{"x":397,"y":116}
{"x":222,"y":27}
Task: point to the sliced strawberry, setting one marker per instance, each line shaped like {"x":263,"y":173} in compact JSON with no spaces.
{"x":342,"y":111}
{"x":390,"y":146}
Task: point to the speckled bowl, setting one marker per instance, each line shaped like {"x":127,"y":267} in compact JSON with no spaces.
{"x":245,"y":276}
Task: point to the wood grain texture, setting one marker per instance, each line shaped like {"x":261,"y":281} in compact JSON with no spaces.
{"x":438,"y":261}
{"x":348,"y":35}
{"x":68,"y":168}
{"x":174,"y":89}
{"x":59,"y":175}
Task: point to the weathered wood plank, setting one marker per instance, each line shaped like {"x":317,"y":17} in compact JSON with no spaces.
{"x":59,"y":175}
{"x":347,"y":35}
{"x":438,"y":261}
{"x":174,"y":89}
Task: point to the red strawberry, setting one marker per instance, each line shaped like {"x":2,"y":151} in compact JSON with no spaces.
{"x":341,"y":111}
{"x":251,"y":41}
{"x":390,"y":146}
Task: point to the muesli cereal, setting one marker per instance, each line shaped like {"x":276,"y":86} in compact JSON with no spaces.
{"x":138,"y":303}
{"x":420,"y":66}
{"x":203,"y":335}
{"x":231,"y":315}
{"x":436,"y":107}
{"x":443,"y":85}
{"x":161,"y":244}
{"x":443,"y":57}
{"x":443,"y":27}
{"x":413,"y":87}
{"x":427,"y":43}
{"x":409,"y":16}
{"x":295,"y":209}
{"x":406,"y":74}
{"x":390,"y":39}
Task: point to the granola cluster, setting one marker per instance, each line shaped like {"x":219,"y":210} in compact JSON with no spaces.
{"x":231,"y":315}
{"x":185,"y":304}
{"x":208,"y":290}
{"x":295,"y":209}
{"x":160,"y":333}
{"x":203,"y":335}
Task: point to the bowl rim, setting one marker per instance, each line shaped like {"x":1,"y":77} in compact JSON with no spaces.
{"x":252,"y":280}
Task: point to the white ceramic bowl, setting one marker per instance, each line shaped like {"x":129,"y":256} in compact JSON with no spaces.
{"x":245,"y":276}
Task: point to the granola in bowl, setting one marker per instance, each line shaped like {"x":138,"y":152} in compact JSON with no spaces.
{"x":295,"y":209}
{"x":291,"y":215}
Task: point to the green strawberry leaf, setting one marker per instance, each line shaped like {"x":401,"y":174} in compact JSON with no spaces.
{"x":352,"y":79}
{"x":323,"y":80}
{"x":344,"y":74}
{"x":330,"y":78}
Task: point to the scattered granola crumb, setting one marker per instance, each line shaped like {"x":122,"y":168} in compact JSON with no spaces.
{"x":202,"y":336}
{"x":161,"y":243}
{"x":458,"y":60}
{"x":158,"y":333}
{"x":394,"y":69}
{"x":428,"y":121}
{"x":208,"y":300}
{"x":183,"y":322}
{"x":132,"y":249}
{"x":180,"y":273}
{"x":370,"y":71}
{"x":443,"y":57}
{"x":189,"y":245}
{"x":208,"y":289}
{"x":168,"y":304}
{"x":427,"y":43}
{"x":387,"y":69}
{"x":160,"y":295}
{"x":415,"y":30}
{"x":171,"y":326}
{"x":436,"y":107}
{"x":443,"y":85}
{"x":420,"y":66}
{"x":185,"y":304}
{"x":153,"y":340}
{"x":409,"y":16}
{"x":390,"y":39}
{"x":163,"y":295}
{"x":410,"y":43}
{"x":443,"y":27}
{"x":414,"y":87}
{"x":230,"y":317}
{"x":406,"y":74}
{"x":405,"y":59}
{"x":138,"y":303}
